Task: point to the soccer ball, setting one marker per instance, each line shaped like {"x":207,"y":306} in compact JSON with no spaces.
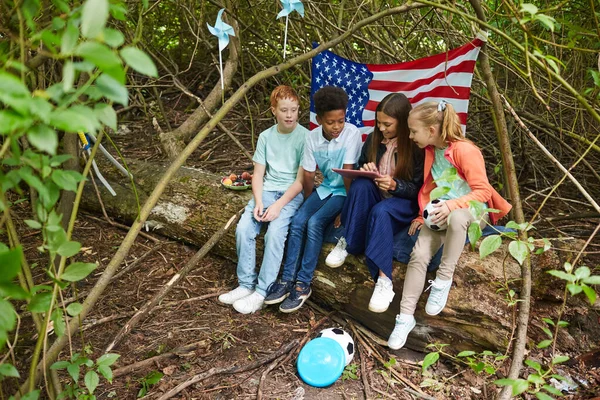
{"x":343,"y":338}
{"x":429,"y":208}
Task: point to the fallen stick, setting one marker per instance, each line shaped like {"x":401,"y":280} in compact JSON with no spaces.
{"x":191,"y":264}
{"x":363,"y":372}
{"x":231,"y":370}
{"x":128,"y":369}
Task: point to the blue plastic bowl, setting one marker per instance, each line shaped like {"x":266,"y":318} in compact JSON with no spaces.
{"x":321,"y":362}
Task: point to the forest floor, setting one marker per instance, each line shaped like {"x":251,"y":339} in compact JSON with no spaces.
{"x":218,"y":338}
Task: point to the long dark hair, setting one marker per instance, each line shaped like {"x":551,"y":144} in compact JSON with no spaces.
{"x":397,"y":106}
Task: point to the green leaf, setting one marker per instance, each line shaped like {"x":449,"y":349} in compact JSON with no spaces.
{"x":552,"y":389}
{"x":519,"y":386}
{"x":69,"y":249}
{"x":59,"y":159}
{"x":547,"y":21}
{"x":548,"y":321}
{"x":574,"y":288}
{"x":489,"y":245}
{"x":529,"y":8}
{"x":68,"y":76}
{"x":77,"y":271}
{"x":139,"y":61}
{"x":13,"y":291}
{"x":10,"y":122}
{"x":559,"y":359}
{"x":589,"y":292}
{"x":69,"y":39}
{"x":12,"y":85}
{"x":40,"y":302}
{"x":107,"y":115}
{"x":534,"y":364}
{"x":58,"y":322}
{"x":8,"y":318}
{"x":438,"y":192}
{"x":113,"y":37}
{"x":60,"y":365}
{"x":43,"y":138}
{"x":93,"y":17}
{"x":474,"y":233}
{"x":31,"y":395}
{"x":91,"y":381}
{"x":71,"y":121}
{"x":98,"y":54}
{"x":430,"y":359}
{"x":465,"y":353}
{"x":582,"y":273}
{"x":562,"y":275}
{"x":74,"y":309}
{"x":544,"y":343}
{"x":543,"y":396}
{"x":592,"y":280}
{"x":106,"y":372}
{"x":112,"y":89}
{"x":153,"y":377}
{"x":536,"y":379}
{"x":64,"y":181}
{"x":10,"y":262}
{"x":108,"y":359}
{"x":548,"y":332}
{"x":73,"y":370}
{"x":518,"y":250}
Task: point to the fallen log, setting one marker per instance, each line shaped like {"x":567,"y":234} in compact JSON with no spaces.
{"x":477,"y":315}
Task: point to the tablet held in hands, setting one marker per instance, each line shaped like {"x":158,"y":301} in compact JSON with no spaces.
{"x":354,"y":173}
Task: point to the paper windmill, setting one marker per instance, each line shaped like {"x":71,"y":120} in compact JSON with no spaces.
{"x":222,"y":31}
{"x":289,"y":6}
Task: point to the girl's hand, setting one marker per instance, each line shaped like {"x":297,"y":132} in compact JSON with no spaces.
{"x":385,"y":182}
{"x":414,"y":227}
{"x":272,"y":212}
{"x":258,"y":211}
{"x":440,"y":214}
{"x":338,"y":221}
{"x":369,"y":167}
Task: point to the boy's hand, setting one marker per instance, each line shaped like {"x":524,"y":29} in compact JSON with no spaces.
{"x":369,"y":167}
{"x":414,"y":227}
{"x":385,"y":182}
{"x":258,"y":211}
{"x":272,"y":212}
{"x":440,"y":214}
{"x":338,"y":221}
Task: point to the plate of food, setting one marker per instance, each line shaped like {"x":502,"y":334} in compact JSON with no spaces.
{"x":237,"y":182}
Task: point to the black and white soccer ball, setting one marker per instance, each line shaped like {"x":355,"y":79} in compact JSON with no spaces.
{"x":343,"y":338}
{"x":429,"y":208}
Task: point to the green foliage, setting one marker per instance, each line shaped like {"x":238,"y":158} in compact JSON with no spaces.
{"x":151,"y":379}
{"x":350,"y":372}
{"x":91,"y":373}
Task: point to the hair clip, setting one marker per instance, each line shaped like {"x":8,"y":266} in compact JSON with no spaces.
{"x":442,"y":105}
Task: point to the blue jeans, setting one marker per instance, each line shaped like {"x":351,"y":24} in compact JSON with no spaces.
{"x":247,"y":230}
{"x":310,"y":221}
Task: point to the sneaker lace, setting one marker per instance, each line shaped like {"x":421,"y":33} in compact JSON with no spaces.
{"x":341,"y":245}
{"x":436,"y":292}
{"x":380,"y":287}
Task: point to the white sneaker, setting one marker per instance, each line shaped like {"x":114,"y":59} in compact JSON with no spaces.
{"x":338,"y":255}
{"x":249,"y":304}
{"x":382,"y":295}
{"x":235,"y":294}
{"x":404,"y":324}
{"x":438,"y":296}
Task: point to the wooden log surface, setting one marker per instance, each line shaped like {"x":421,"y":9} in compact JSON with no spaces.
{"x":476,"y":317}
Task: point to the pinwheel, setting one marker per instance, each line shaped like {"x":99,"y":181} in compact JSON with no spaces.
{"x":222,"y":31}
{"x":289,"y":6}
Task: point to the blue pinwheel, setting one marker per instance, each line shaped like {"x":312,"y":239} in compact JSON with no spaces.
{"x":289,"y":6}
{"x":222,"y":31}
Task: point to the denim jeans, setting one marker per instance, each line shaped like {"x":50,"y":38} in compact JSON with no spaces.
{"x":277,"y":230}
{"x":306,"y":236}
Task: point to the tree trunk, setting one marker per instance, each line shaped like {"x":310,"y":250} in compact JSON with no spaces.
{"x":195,"y":205}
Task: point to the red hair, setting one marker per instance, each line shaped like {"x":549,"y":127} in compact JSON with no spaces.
{"x":283,"y":92}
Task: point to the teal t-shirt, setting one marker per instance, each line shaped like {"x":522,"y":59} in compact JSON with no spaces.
{"x":458,"y":186}
{"x":281,"y":155}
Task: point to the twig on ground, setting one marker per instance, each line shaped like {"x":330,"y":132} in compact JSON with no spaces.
{"x":419,"y":395}
{"x":190,"y":265}
{"x":231,"y":370}
{"x":131,"y":267}
{"x":363,"y":372}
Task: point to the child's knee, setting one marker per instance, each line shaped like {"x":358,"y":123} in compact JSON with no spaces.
{"x":460,"y":218}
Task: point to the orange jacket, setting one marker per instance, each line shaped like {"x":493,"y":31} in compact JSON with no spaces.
{"x":469,"y":163}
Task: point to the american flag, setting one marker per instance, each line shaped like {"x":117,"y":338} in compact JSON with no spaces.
{"x":444,"y":76}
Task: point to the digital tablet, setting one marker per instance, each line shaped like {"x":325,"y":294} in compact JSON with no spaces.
{"x":354,"y":173}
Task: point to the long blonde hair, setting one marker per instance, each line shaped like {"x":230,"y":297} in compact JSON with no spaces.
{"x":447,"y":120}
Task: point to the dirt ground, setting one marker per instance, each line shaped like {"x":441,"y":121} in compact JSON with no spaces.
{"x":191,"y":335}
